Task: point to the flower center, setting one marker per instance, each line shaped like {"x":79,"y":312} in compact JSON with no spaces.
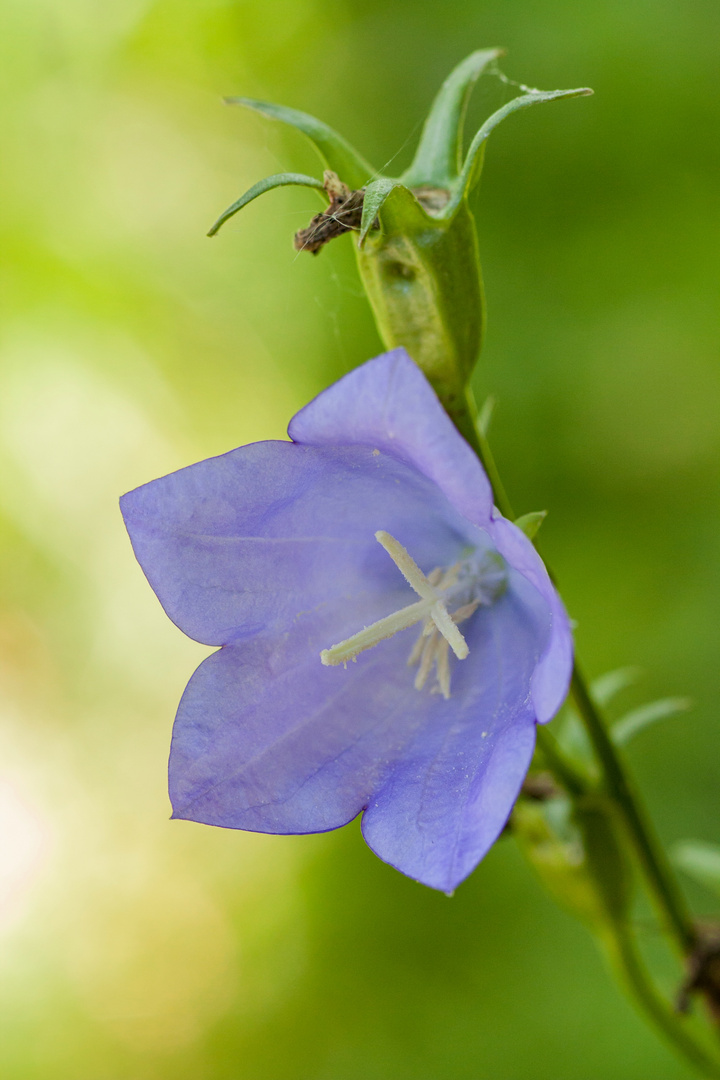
{"x":464,"y":586}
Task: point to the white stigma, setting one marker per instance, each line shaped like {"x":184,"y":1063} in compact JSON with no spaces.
{"x":439,"y":634}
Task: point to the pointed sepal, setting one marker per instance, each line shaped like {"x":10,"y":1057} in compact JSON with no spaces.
{"x":472,"y":166}
{"x":336,"y":152}
{"x":375,"y":195}
{"x":530,"y":523}
{"x":270,"y":182}
{"x":438,"y":159}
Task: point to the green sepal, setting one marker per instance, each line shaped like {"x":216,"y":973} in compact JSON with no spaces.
{"x":700,"y":861}
{"x":336,"y":152}
{"x":629,"y":725}
{"x":472,"y":166}
{"x":270,"y":182}
{"x":530,"y":523}
{"x":375,"y":195}
{"x":438,"y":158}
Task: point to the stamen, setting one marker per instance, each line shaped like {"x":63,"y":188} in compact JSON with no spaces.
{"x":442,"y":666}
{"x":449,"y":577}
{"x":426,"y":662}
{"x":465,"y":611}
{"x":419,"y":645}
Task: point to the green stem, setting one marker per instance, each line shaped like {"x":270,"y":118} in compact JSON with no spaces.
{"x":658,"y":873}
{"x":624,"y":957}
{"x":657,"y":870}
{"x":467,"y":425}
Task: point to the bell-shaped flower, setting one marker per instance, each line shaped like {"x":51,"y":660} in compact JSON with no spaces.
{"x":389,"y":641}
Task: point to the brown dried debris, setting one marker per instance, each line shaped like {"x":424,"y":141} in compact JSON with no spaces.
{"x":432,"y":199}
{"x":344,"y":214}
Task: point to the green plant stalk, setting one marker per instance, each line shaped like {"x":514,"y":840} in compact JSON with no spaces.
{"x":478,"y":440}
{"x":630,"y":970}
{"x":597,"y":889}
{"x":420,"y":303}
{"x":658,"y":873}
{"x":617,"y":937}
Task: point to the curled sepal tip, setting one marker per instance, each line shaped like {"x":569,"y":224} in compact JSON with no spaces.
{"x":472,"y":165}
{"x":336,"y":152}
{"x":270,"y":182}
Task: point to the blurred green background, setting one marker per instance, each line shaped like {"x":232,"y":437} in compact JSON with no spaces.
{"x":135,"y":947}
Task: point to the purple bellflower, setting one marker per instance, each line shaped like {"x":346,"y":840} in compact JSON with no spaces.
{"x":389,"y":641}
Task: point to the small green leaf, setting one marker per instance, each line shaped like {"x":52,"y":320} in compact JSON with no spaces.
{"x":605,"y":687}
{"x":438,"y":158}
{"x":375,"y":195}
{"x":633,"y":722}
{"x":473,"y":161}
{"x":270,"y":182}
{"x":530,"y":523}
{"x":700,"y":861}
{"x":336,"y":152}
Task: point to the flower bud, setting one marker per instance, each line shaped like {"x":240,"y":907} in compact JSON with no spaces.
{"x":417,"y":246}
